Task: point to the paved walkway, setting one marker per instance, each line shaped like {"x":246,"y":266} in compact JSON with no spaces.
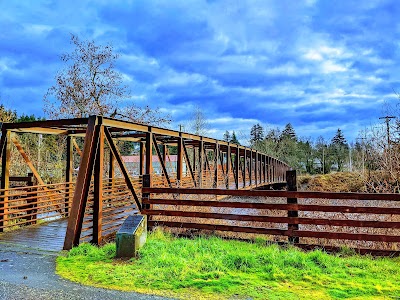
{"x":27,"y":268}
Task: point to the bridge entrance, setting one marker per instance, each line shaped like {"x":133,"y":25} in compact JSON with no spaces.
{"x":100,"y":187}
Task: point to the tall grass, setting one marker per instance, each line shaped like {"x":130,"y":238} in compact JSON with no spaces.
{"x":210,"y":267}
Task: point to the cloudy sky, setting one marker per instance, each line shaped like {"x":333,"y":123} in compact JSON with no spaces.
{"x":320,"y":65}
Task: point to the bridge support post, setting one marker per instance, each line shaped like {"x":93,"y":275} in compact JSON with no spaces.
{"x":98,"y":189}
{"x":292,"y":186}
{"x":216,"y":159}
{"x":228,"y":164}
{"x":146,"y":183}
{"x":237,"y":158}
{"x":32,"y":204}
{"x":77,"y":210}
{"x":201,"y":162}
{"x":68,"y":175}
{"x":5,"y":175}
{"x":256,"y":173}
{"x":149,"y":152}
{"x":244,"y":167}
{"x":179,"y":163}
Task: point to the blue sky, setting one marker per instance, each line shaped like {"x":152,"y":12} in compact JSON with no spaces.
{"x":320,"y":65}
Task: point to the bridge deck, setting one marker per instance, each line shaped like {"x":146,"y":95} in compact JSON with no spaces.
{"x":47,"y":236}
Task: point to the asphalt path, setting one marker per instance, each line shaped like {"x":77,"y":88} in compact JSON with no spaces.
{"x":27,"y":273}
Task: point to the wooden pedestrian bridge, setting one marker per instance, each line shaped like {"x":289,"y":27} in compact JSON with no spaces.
{"x":210,"y":185}
{"x":96,"y":198}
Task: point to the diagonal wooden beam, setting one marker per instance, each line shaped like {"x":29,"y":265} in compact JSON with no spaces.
{"x":122,"y":166}
{"x":77,"y":147}
{"x":79,"y":201}
{"x":188,"y":162}
{"x":32,"y":167}
{"x":161,"y":159}
{"x":221,"y":159}
{"x":27,"y":160}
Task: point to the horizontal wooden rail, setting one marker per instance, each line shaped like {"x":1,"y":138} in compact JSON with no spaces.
{"x":354,"y":221}
{"x":283,"y":194}
{"x":269,"y":219}
{"x":301,"y":207}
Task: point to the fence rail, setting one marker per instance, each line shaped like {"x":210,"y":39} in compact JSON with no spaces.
{"x":347,"y":219}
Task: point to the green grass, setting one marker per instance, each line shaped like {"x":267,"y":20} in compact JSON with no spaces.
{"x":210,"y":267}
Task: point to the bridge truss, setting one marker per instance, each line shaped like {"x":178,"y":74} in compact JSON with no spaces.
{"x":105,"y":190}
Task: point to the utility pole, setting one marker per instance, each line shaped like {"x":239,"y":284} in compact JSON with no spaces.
{"x":387,"y":120}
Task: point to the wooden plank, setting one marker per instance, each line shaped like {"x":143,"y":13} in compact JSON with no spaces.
{"x":38,"y":130}
{"x":162,"y":161}
{"x":122,"y":166}
{"x":20,"y":178}
{"x":48,"y":123}
{"x":349,"y":236}
{"x":77,"y":210}
{"x":271,"y":219}
{"x":285,"y":194}
{"x":299,"y":207}
{"x":98,"y":189}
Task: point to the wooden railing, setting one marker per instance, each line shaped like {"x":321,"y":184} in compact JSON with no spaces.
{"x":26,"y":205}
{"x":367,"y":222}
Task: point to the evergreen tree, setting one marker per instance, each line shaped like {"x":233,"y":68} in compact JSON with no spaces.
{"x":256,"y":134}
{"x":289,"y":132}
{"x":27,"y":118}
{"x":227,"y":136}
{"x":339,"y":149}
{"x":234,"y":140}
{"x":339,"y":139}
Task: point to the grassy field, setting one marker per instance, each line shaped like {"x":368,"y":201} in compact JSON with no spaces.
{"x":213,"y":268}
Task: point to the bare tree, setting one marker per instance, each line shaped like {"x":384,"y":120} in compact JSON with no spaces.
{"x":199,"y":124}
{"x":89,"y":84}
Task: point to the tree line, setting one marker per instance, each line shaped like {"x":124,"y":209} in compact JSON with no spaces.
{"x":305,"y":154}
